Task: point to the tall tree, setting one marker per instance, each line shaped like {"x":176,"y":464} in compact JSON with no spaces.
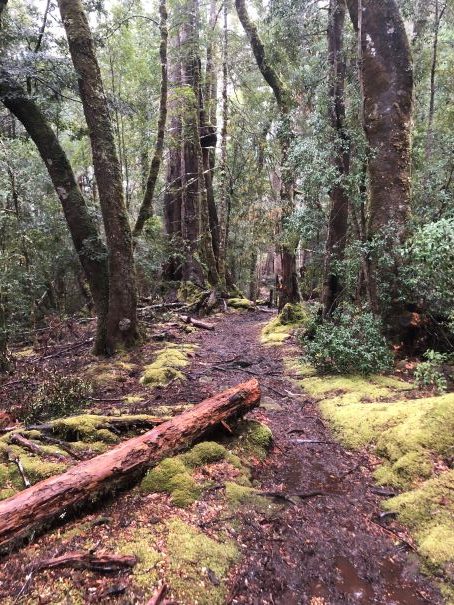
{"x":290,"y":291}
{"x":87,"y":243}
{"x":338,"y":215}
{"x":387,"y":84}
{"x":122,"y":328}
{"x":146,"y":208}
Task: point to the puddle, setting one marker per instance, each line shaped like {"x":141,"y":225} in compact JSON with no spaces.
{"x":397,"y":593}
{"x":351,"y":584}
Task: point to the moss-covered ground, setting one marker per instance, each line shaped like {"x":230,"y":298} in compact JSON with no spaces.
{"x":281,"y":327}
{"x":414,"y":438}
{"x":167,"y":365}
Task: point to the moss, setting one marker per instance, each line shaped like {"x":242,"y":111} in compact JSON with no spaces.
{"x":194,"y":558}
{"x":237,"y":494}
{"x":133,"y":399}
{"x":35,"y":469}
{"x":240,"y":303}
{"x":281,"y":327}
{"x":167,"y":366}
{"x":429,"y":513}
{"x":7,"y":492}
{"x":4,"y":475}
{"x":189,"y":292}
{"x":104,"y":373}
{"x":254,"y":438}
{"x":141,"y":544}
{"x":172,"y":476}
{"x":205,"y":453}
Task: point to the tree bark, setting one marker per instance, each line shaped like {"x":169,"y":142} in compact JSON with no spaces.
{"x":338,"y":216}
{"x":387,"y":83}
{"x":222,"y":256}
{"x":146,"y":209}
{"x":122,"y":328}
{"x":290,"y":290}
{"x":43,"y":503}
{"x":87,"y":243}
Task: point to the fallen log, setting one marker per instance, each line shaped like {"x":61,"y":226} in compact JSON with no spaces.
{"x":83,"y":560}
{"x":46,"y":501}
{"x":187,"y":319}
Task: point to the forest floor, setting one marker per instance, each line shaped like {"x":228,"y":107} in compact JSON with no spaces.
{"x":327,"y":546}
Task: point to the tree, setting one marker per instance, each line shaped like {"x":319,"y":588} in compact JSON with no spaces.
{"x":122,"y":327}
{"x":338,"y":214}
{"x":290,"y":291}
{"x":387,"y":83}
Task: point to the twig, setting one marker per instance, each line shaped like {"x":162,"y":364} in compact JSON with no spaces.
{"x":71,"y":348}
{"x":83,"y":560}
{"x":158,"y":596}
{"x":32,"y":447}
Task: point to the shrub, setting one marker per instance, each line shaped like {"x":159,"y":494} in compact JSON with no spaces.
{"x":430,"y":373}
{"x":56,"y":396}
{"x":349,"y":344}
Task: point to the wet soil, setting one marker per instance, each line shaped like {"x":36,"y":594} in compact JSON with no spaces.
{"x":328,"y":549}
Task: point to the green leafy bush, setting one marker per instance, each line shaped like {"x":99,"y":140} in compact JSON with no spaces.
{"x":56,"y":396}
{"x":430,"y":373}
{"x":349,"y":344}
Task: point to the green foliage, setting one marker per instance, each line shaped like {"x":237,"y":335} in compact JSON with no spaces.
{"x":57,"y":395}
{"x":351,"y":343}
{"x":430,"y":271}
{"x":430,"y":372}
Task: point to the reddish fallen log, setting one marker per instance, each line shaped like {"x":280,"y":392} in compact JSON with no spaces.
{"x":82,"y":560}
{"x":46,"y":501}
{"x":187,"y":319}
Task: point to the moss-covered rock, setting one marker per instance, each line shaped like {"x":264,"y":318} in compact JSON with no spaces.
{"x":240,"y":303}
{"x":167,"y":366}
{"x":281,"y":327}
{"x":199,"y":565}
{"x":253,"y":439}
{"x":172,"y":477}
{"x":204,"y":453}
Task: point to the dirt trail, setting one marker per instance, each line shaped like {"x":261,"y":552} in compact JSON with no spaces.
{"x":322,"y":550}
{"x":325,"y":549}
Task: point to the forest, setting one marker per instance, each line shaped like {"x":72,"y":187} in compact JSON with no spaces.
{"x":227,"y":302}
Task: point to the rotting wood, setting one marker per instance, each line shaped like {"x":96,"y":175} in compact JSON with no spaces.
{"x":44,"y":502}
{"x":187,"y":319}
{"x":83,"y":560}
{"x":25,"y":443}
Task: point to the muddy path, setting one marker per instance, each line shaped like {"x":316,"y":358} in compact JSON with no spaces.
{"x":325,"y":549}
{"x":330,"y":548}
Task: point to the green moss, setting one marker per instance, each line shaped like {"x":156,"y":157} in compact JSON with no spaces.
{"x":190,"y":293}
{"x":281,"y":327}
{"x":35,"y":469}
{"x":240,"y":303}
{"x":193,"y":558}
{"x":4,"y":475}
{"x":133,"y":399}
{"x":429,"y":512}
{"x":167,"y":366}
{"x":242,"y":494}
{"x":141,"y":543}
{"x":254,"y":438}
{"x":205,"y":453}
{"x":104,"y":373}
{"x":172,"y":476}
{"x":25,"y":353}
{"x":7,"y":492}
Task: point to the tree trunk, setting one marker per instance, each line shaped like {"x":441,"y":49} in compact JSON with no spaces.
{"x":387,"y":83}
{"x":122,"y":326}
{"x":44,"y":502}
{"x":222,"y":256}
{"x":87,"y":243}
{"x":146,"y":209}
{"x":290,"y":292}
{"x":338,"y":216}
{"x":173,"y":198}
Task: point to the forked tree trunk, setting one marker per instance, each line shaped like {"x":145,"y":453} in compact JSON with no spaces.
{"x":87,"y":243}
{"x":290,"y":291}
{"x":122,"y":328}
{"x":44,"y":502}
{"x":338,"y":216}
{"x":146,"y":209}
{"x":387,"y":83}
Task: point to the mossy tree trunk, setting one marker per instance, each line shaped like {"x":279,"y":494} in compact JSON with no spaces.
{"x":122,"y":327}
{"x":386,"y":76}
{"x":87,"y":243}
{"x":338,"y":215}
{"x":289,"y":291}
{"x":146,"y":208}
